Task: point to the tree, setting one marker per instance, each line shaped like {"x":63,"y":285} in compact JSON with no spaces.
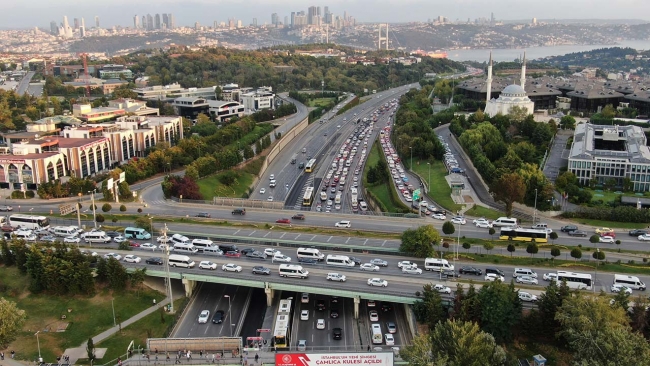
{"x":419,"y":242}
{"x":90,"y":350}
{"x":608,"y":112}
{"x":429,"y":310}
{"x":106,"y":207}
{"x":555,"y":252}
{"x":553,"y":236}
{"x":491,"y":231}
{"x":11,"y":321}
{"x":510,"y":188}
{"x":466,"y":246}
{"x":117,"y":275}
{"x":448,"y":228}
{"x":567,"y":123}
{"x":500,"y":309}
{"x":576,"y":253}
{"x":122,"y":208}
{"x":470,"y":309}
{"x":598,"y":255}
{"x":418,"y":353}
{"x":100,"y":218}
{"x":594,"y":239}
{"x":488,"y":245}
{"x":532,"y":249}
{"x":248,"y":152}
{"x":511,"y":248}
{"x":621,"y":299}
{"x":464,"y":343}
{"x":137,"y":278}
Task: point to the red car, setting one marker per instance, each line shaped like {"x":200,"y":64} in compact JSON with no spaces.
{"x":611,"y":233}
{"x":233,"y":254}
{"x":134,"y":244}
{"x":283,"y":221}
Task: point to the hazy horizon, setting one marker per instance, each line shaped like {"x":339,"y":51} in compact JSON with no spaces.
{"x":120,"y":12}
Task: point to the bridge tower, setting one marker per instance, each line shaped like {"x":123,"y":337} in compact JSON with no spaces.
{"x":383,"y":37}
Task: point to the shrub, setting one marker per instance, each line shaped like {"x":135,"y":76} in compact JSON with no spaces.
{"x":122,"y":208}
{"x":100,"y":218}
{"x":139,"y":210}
{"x":29,"y":194}
{"x":106,"y":207}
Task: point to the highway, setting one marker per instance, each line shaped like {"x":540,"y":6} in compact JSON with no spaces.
{"x":24,"y":83}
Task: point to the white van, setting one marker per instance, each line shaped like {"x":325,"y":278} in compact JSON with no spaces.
{"x":339,"y":260}
{"x":292,"y":270}
{"x":311,"y":253}
{"x":26,"y":235}
{"x":213,"y":250}
{"x":180,"y":239}
{"x":65,"y":231}
{"x":323,"y":196}
{"x":541,"y":226}
{"x":437,"y":264}
{"x":185,"y":248}
{"x":202,"y":244}
{"x":524,"y":272}
{"x":632,"y":282}
{"x":176,"y":260}
{"x":505,"y":221}
{"x":96,"y":237}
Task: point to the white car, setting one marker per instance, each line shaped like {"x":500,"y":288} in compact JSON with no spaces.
{"x":480,"y":220}
{"x":112,"y":255}
{"x":148,"y":246}
{"x":377,"y":282}
{"x":272,"y":177}
{"x":390,"y":340}
{"x":458,"y":220}
{"x":304,"y":315}
{"x":231,"y":267}
{"x":207,"y":265}
{"x":344,"y":223}
{"x":270,"y":199}
{"x":71,"y":239}
{"x":439,"y":216}
{"x":644,"y":237}
{"x":406,"y":264}
{"x":262,"y":190}
{"x":270,"y":251}
{"x":336,"y":277}
{"x":525,"y":296}
{"x":132,"y":258}
{"x":619,"y":288}
{"x":320,"y":324}
{"x":411,"y":270}
{"x":484,"y":225}
{"x":369,"y":267}
{"x":526,"y":280}
{"x":279,"y":257}
{"x":442,"y":289}
{"x":163,"y":239}
{"x":550,"y":276}
{"x":606,"y":239}
{"x":204,"y":316}
{"x":119,"y":239}
{"x":493,"y":277}
{"x":163,"y":247}
{"x":379,"y":262}
{"x":374,"y":315}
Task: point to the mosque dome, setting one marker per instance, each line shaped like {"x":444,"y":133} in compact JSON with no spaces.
{"x":513,"y":89}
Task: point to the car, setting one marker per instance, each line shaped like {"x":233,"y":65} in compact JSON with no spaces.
{"x":133,"y":244}
{"x":377,"y":282}
{"x":112,"y":234}
{"x":112,"y":255}
{"x":336,"y":277}
{"x":148,"y":246}
{"x":155,"y":261}
{"x":302,"y":345}
{"x":262,"y":190}
{"x":270,"y":199}
{"x":603,"y":230}
{"x":6,"y":208}
{"x":618,"y":288}
{"x":637,"y":232}
{"x":379,"y":262}
{"x":568,"y":228}
{"x":203,"y":214}
{"x":483,"y":225}
{"x":272,"y":177}
{"x":374,"y":315}
{"x":232,"y":254}
{"x":357,"y":261}
{"x":391,"y":327}
{"x":337,"y":333}
{"x":261,"y":270}
{"x":389,"y":339}
{"x":470,"y":270}
{"x":550,"y":276}
{"x":304,"y":315}
{"x":334,"y":313}
{"x":611,"y":233}
{"x":577,"y":233}
{"x":130,"y":258}
{"x":406,"y":264}
{"x":644,"y":237}
{"x":204,"y":316}
{"x":386,"y":307}
{"x":369,"y":267}
{"x":480,"y":220}
{"x":526,"y":296}
{"x":49,"y":238}
{"x":493,"y":277}
{"x":304,"y":298}
{"x":270,"y":251}
{"x":307,"y":260}
{"x":283,"y":221}
{"x":458,"y":220}
{"x":231,"y":267}
{"x":528,"y":280}
{"x":279,"y":257}
{"x":606,"y":239}
{"x":119,"y":239}
{"x":160,"y":239}
{"x":438,"y":216}
{"x":207,"y":265}
{"x":320,"y":324}
{"x":71,"y":239}
{"x":298,"y":217}
{"x":218,"y":317}
{"x":256,"y":254}
{"x":344,"y":223}
{"x":411,"y":270}
{"x":442,"y":289}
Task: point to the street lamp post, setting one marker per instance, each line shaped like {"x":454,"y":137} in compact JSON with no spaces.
{"x":38,"y":343}
{"x":429,"y":181}
{"x":535,"y":209}
{"x":92,"y":196}
{"x":229,"y":314}
{"x":411,"y":148}
{"x":169,"y":280}
{"x":113,"y":307}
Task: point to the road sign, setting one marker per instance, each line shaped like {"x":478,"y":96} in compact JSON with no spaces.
{"x":416,"y":195}
{"x":66,"y":209}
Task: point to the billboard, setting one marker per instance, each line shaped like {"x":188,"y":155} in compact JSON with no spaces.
{"x":326,"y":359}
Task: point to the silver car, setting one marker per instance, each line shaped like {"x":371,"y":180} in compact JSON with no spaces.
{"x":379,"y":262}
{"x":528,"y":280}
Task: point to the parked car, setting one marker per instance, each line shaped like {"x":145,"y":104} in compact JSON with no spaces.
{"x":471,"y":270}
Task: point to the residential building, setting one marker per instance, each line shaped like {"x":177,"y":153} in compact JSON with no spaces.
{"x":190,"y":107}
{"x":132,"y":106}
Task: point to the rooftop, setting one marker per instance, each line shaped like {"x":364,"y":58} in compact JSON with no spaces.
{"x":592,"y":142}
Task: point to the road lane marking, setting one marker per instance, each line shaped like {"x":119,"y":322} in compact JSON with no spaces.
{"x":328,"y":240}
{"x":238,"y":230}
{"x":347,"y":240}
{"x":252,"y":233}
{"x":267,"y":234}
{"x":312,"y":238}
{"x":296,"y":238}
{"x":365,"y":241}
{"x":282,"y":236}
{"x":384,"y":243}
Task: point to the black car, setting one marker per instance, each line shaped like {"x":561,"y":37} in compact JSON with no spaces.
{"x":337,"y":333}
{"x":471,"y":270}
{"x":385,"y":307}
{"x":245,"y":251}
{"x":307,"y":261}
{"x":261,"y":270}
{"x":356,"y":261}
{"x":334,"y":313}
{"x":334,"y":299}
{"x":320,"y":305}
{"x":568,"y":228}
{"x":203,"y":214}
{"x":577,"y":233}
{"x":298,"y":217}
{"x":218,"y":317}
{"x":637,"y":232}
{"x":155,"y":260}
{"x":112,"y":234}
{"x":256,"y":255}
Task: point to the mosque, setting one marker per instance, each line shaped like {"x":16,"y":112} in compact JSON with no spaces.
{"x":511,"y":96}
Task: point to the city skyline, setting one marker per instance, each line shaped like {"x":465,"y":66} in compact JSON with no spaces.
{"x":120,"y":13}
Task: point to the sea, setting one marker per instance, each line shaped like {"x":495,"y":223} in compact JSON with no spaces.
{"x":513,"y":54}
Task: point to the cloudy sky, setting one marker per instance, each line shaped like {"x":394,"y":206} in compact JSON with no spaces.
{"x":25,"y":14}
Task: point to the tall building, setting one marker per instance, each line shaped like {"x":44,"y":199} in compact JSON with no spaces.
{"x":82,"y":29}
{"x":157,"y":21}
{"x":96,"y":22}
{"x":311,"y":15}
{"x":274,"y":19}
{"x":511,"y":96}
{"x":239,"y":25}
{"x":54,"y":28}
{"x":136,"y":21}
{"x":75,"y":21}
{"x":254,"y":22}
{"x":286,"y":20}
{"x":144,"y":22}
{"x":170,"y":19}
{"x":67,"y":31}
{"x":149,"y":22}
{"x":165,"y":21}
{"x":293,"y":18}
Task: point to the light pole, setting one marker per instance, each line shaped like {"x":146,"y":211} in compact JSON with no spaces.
{"x":458,"y":243}
{"x":113,"y":307}
{"x":429,"y":181}
{"x":411,"y":148}
{"x":229,"y":315}
{"x":596,"y":270}
{"x":92,"y":196}
{"x":169,"y":280}
{"x":38,"y":343}
{"x":535,"y":209}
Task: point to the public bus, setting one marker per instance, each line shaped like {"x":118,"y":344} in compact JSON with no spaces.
{"x":29,"y":222}
{"x":282,"y":329}
{"x":377,"y":336}
{"x":518,"y":234}
{"x":311,"y":165}
{"x":308,"y":197}
{"x":579,"y":281}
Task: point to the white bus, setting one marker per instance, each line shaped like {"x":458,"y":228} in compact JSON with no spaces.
{"x":377,"y":336}
{"x":632,"y":282}
{"x":292,"y":270}
{"x":177,"y":260}
{"x":308,"y":196}
{"x":339,"y":260}
{"x":437,"y":264}
{"x":311,"y":253}
{"x":29,"y":221}
{"x":579,"y":281}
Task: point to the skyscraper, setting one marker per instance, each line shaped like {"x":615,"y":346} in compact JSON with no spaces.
{"x":136,"y":21}
{"x":170,"y":19}
{"x":75,"y":21}
{"x":286,"y":20}
{"x":96,"y":22}
{"x":67,"y":31}
{"x":157,"y":21}
{"x":254,"y":22}
{"x":293,"y":18}
{"x":144,"y":22}
{"x":311,"y":14}
{"x":54,"y":28}
{"x":149,"y":22}
{"x":274,"y":19}
{"x":165,"y":21}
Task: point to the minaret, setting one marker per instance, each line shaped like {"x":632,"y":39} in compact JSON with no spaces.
{"x":523,"y":72}
{"x":489,"y":80}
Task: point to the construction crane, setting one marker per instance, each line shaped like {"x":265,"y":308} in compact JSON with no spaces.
{"x":84,"y":58}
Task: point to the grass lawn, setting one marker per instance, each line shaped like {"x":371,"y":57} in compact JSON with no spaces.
{"x":380,"y":191}
{"x":439,"y":190}
{"x":321,"y":102}
{"x":211,"y":186}
{"x":480,"y":211}
{"x":87,"y":316}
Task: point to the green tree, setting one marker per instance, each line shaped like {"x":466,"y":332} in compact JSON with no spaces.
{"x":418,"y":353}
{"x":248,"y":152}
{"x":106,"y":207}
{"x":429,"y":310}
{"x":419,"y":242}
{"x":511,"y":248}
{"x":100,"y":218}
{"x":122,"y":208}
{"x":598,"y":255}
{"x":464,"y":343}
{"x":500,"y":309}
{"x":621,"y":299}
{"x":548,"y":303}
{"x":555,"y":252}
{"x":90,"y":350}
{"x":192,"y":172}
{"x":608,"y":112}
{"x":137,"y":278}
{"x":117,"y":275}
{"x":448,"y":228}
{"x":553,"y":236}
{"x":594,"y":239}
{"x":491,"y":232}
{"x":470,"y":309}
{"x":510,"y":188}
{"x":466,"y":246}
{"x":532,"y":249}
{"x":11,"y":321}
{"x":568,"y":123}
{"x":488,"y":246}
{"x":576,"y":253}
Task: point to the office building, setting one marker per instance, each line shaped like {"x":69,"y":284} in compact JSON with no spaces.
{"x":144,"y":22}
{"x":254,"y":22}
{"x":96,"y":22}
{"x":150,"y":23}
{"x":293,"y":18}
{"x":190,"y":107}
{"x":75,"y":21}
{"x":165,"y":21}
{"x":170,"y":19}
{"x":136,"y":21}
{"x":157,"y":21}
{"x":54,"y":28}
{"x":274,"y":19}
{"x":257,"y":100}
{"x":223,"y":110}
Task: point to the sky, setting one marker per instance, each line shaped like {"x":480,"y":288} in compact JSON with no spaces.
{"x":27,"y":14}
